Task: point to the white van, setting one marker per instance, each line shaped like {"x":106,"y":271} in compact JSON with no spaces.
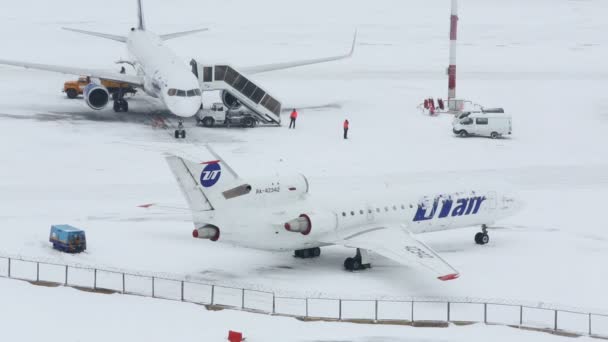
{"x":493,"y":123}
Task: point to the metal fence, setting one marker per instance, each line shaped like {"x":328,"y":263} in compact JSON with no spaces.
{"x":413,"y":311}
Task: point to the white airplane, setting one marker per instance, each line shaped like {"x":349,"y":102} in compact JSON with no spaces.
{"x":159,"y":72}
{"x":278,"y":214}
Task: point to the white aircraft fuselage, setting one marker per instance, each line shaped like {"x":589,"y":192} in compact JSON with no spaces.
{"x":264,"y":226}
{"x":165,"y":75}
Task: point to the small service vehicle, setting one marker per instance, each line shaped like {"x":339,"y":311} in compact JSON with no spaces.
{"x":219,"y":115}
{"x":492,"y":122}
{"x":68,"y":239}
{"x":74,"y":88}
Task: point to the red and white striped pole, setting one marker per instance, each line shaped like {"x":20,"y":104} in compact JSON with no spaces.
{"x":452,"y":67}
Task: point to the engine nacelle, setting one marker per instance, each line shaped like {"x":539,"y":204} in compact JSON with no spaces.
{"x":230,"y":101}
{"x":96,"y":96}
{"x":323,"y":222}
{"x":207,"y":232}
{"x":301,"y":224}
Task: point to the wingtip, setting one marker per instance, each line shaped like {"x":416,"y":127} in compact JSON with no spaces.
{"x":352,"y":48}
{"x":449,"y":277}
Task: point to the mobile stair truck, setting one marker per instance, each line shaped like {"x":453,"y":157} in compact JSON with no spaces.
{"x":68,"y":239}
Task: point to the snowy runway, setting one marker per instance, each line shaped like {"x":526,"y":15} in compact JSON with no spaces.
{"x":62,"y":163}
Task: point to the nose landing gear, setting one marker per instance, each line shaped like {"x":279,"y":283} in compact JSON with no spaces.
{"x":482,"y":237}
{"x":180,"y":132}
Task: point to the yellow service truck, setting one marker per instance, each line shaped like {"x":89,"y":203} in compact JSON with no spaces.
{"x":74,"y":88}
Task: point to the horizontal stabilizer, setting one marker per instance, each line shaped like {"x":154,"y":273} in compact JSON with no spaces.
{"x":181,"y":34}
{"x":121,"y":39}
{"x":288,"y":65}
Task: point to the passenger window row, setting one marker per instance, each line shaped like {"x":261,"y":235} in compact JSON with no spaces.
{"x":378,"y":210}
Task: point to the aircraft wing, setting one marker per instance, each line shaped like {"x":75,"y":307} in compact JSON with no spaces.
{"x":399,"y":245}
{"x":294,"y":64}
{"x":101,"y":74}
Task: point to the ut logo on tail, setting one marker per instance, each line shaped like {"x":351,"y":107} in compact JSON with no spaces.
{"x":211,"y":174}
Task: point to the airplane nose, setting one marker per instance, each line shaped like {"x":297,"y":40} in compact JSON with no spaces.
{"x":185,"y":107}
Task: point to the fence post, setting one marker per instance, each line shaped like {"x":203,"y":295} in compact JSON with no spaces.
{"x":152,"y":287}
{"x":123,"y":282}
{"x":485,"y":313}
{"x":37,"y":271}
{"x":306,"y":306}
{"x":212,"y":293}
{"x":339,"y":309}
{"x":94,"y":279}
{"x":555,"y":322}
{"x":448,"y":312}
{"x":521,"y":315}
{"x":66,"y":275}
{"x":412,"y":311}
{"x":376,"y":313}
{"x":273,"y":304}
{"x":9,"y":267}
{"x":182,"y":292}
{"x":242,"y":298}
{"x":590,"y":324}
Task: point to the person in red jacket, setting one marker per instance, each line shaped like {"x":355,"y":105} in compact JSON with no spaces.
{"x":346,"y":123}
{"x":293,"y":117}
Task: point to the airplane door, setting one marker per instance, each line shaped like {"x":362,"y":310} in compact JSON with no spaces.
{"x":491,"y":200}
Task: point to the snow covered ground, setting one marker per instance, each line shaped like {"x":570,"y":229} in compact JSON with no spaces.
{"x":543,"y":61}
{"x":145,"y":319}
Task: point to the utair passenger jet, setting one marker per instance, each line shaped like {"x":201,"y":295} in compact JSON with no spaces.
{"x":278,"y":214}
{"x":159,"y":72}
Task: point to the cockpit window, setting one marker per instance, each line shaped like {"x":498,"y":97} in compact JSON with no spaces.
{"x":191,"y":93}
{"x":172,"y":92}
{"x":181,"y":93}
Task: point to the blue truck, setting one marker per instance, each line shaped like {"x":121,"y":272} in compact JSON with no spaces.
{"x":68,"y":239}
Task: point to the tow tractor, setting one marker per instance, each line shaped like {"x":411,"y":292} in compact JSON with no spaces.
{"x":219,"y":115}
{"x":74,"y":88}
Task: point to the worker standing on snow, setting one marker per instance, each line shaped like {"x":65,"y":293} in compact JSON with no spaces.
{"x":293,"y":117}
{"x":346,"y":123}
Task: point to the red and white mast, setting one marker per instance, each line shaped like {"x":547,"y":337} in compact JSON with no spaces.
{"x":452,"y":67}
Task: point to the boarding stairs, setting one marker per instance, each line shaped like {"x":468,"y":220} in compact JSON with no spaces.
{"x":225,"y":78}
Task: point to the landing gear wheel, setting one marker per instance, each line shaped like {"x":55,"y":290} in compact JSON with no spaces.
{"x":357,"y":263}
{"x":493,"y":135}
{"x":176,"y":134}
{"x":183,"y":134}
{"x":348,"y":264}
{"x":482,"y":238}
{"x":116,"y":107}
{"x":307,"y":253}
{"x":71,"y":93}
{"x":463,"y":134}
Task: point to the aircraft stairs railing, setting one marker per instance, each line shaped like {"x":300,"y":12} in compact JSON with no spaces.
{"x":228,"y":80}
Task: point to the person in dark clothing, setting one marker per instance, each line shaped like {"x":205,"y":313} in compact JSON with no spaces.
{"x":293,"y":117}
{"x":123,"y":70}
{"x":346,"y":124}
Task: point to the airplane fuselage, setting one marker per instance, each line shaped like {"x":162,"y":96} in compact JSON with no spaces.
{"x":165,"y":75}
{"x":265,"y":227}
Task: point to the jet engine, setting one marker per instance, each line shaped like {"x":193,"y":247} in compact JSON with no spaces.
{"x":230,"y":101}
{"x":322,"y":222}
{"x":96,"y":96}
{"x":208,"y":231}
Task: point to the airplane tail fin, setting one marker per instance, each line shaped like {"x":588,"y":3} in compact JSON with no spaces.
{"x":207,"y":185}
{"x":140,"y":16}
